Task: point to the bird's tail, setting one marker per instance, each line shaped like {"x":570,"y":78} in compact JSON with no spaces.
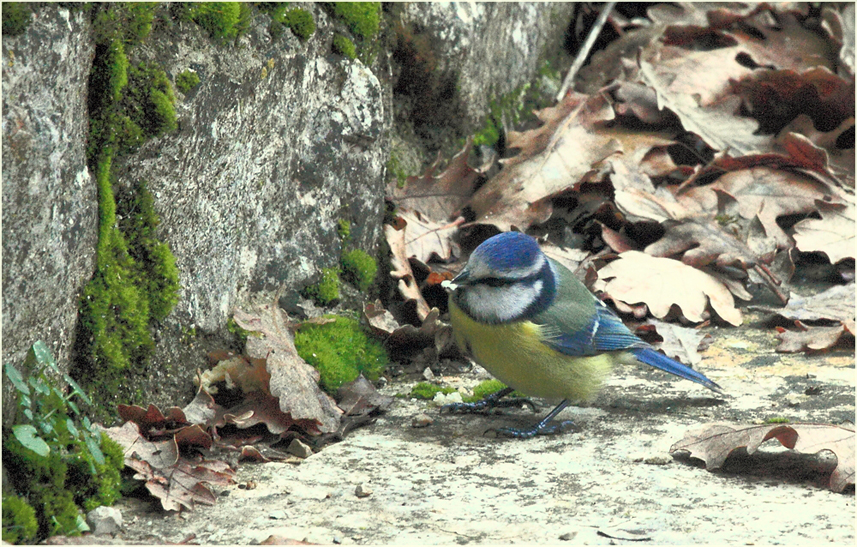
{"x":658,"y":360}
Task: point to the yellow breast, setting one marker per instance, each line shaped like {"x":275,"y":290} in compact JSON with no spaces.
{"x":515,"y":354}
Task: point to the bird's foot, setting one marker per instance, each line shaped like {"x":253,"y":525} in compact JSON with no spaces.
{"x":540,"y":428}
{"x":489,"y":403}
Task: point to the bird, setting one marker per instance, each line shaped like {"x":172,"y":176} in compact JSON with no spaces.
{"x":528,"y":321}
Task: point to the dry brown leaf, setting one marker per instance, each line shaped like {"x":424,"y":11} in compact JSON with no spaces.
{"x":787,"y":45}
{"x":293,"y":382}
{"x":554,"y":158}
{"x":764,"y":192}
{"x":718,"y":123}
{"x":661,"y":283}
{"x":439,"y":197}
{"x":833,"y":304}
{"x":832,"y":234}
{"x":680,"y":343}
{"x":832,"y":149}
{"x":427,"y":240}
{"x":714,"y":442}
{"x":175,"y":480}
{"x":401,"y":272}
{"x":812,"y":338}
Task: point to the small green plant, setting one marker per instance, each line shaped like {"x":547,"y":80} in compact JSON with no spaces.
{"x":777,"y":420}
{"x":149,"y":100}
{"x":343,"y":229}
{"x":223,"y":20}
{"x":344,"y":46}
{"x":240,"y":334}
{"x":327,"y":289}
{"x":359,"y":269}
{"x":340,"y":351}
{"x":299,"y":20}
{"x":16,"y":18}
{"x":427,"y":391}
{"x":187,"y":80}
{"x":56,"y":458}
{"x":363,"y":18}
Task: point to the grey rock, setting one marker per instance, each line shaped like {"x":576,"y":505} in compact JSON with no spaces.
{"x":362,"y":491}
{"x":49,"y":200}
{"x":104,"y":521}
{"x":299,"y":449}
{"x":421,"y":420}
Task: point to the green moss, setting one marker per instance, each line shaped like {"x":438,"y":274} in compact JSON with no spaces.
{"x":343,"y":229}
{"x":327,"y":289}
{"x":222,"y":20}
{"x":19,"y":521}
{"x":157,"y":270}
{"x":343,"y":46}
{"x":340,"y":351}
{"x":299,"y":20}
{"x":149,"y":100}
{"x":136,"y":280}
{"x":240,"y":334}
{"x":427,"y":391}
{"x":359,"y":269}
{"x":395,"y":167}
{"x":186,"y":81}
{"x":16,"y":19}
{"x":129,"y":22}
{"x":363,"y":18}
{"x":777,"y":420}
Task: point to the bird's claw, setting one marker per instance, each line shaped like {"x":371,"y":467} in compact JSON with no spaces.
{"x":554,"y":428}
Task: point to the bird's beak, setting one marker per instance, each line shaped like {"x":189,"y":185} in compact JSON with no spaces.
{"x":460,"y":279}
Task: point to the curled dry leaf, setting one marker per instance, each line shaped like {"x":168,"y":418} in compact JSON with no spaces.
{"x":401,"y":270}
{"x":714,"y":442}
{"x":661,"y":283}
{"x":293,"y":382}
{"x":176,"y":480}
{"x":680,"y":343}
{"x":832,"y":234}
{"x":811,"y":338}
{"x":438,"y":198}
{"x":833,"y":304}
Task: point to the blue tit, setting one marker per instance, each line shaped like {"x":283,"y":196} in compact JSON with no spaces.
{"x":536,"y":328}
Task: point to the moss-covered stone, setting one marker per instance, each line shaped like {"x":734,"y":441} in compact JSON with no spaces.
{"x":300,"y":21}
{"x":340,"y":351}
{"x":363,"y":18}
{"x":222,"y":20}
{"x":359,"y":269}
{"x":187,"y":80}
{"x":343,"y":46}
{"x":16,"y":19}
{"x":327,"y":289}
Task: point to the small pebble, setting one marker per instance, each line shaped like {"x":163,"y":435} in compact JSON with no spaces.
{"x":279,"y":514}
{"x":337,"y":540}
{"x":428,"y":374}
{"x":568,"y":536}
{"x":447,"y":398}
{"x":104,"y":521}
{"x":658,"y":459}
{"x":422,"y":420}
{"x":299,"y":449}
{"x":362,"y":491}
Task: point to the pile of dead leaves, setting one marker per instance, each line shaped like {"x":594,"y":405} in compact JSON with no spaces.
{"x":716,"y":147}
{"x":247,"y":406}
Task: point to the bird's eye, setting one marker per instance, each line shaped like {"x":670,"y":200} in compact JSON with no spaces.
{"x":494,"y":281}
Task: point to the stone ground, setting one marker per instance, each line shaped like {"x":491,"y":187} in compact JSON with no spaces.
{"x":611,"y":481}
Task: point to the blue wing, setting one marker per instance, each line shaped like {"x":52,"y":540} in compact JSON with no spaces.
{"x":605,"y":332}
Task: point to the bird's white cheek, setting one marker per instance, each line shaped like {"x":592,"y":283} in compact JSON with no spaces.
{"x":499,"y":304}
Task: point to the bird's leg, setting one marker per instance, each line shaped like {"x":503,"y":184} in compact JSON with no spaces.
{"x":544,"y":427}
{"x":489,"y":402}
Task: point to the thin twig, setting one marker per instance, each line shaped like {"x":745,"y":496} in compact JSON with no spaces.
{"x":584,"y":51}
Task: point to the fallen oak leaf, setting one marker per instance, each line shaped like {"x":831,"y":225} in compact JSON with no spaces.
{"x":681,"y":343}
{"x":833,"y":304}
{"x":293,"y":382}
{"x":832,"y":234}
{"x":661,"y":283}
{"x":812,"y":338}
{"x":713,"y":443}
{"x":401,"y":271}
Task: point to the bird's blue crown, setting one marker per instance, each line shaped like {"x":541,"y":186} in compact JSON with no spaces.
{"x":508,"y":251}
